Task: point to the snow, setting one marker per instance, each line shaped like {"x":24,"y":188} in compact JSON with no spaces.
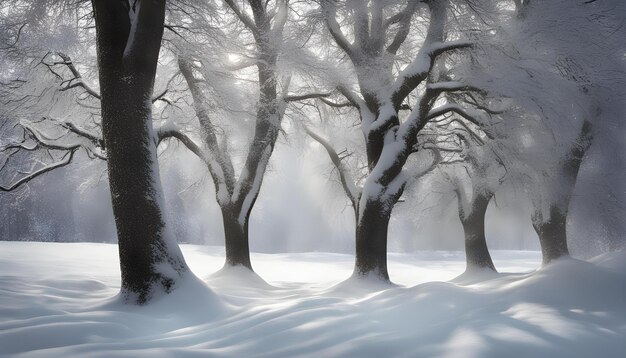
{"x":60,"y":300}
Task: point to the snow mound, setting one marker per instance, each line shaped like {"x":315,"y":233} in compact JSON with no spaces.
{"x":238,"y":276}
{"x":59,"y":300}
{"x":358,"y":286}
{"x":476,"y":275}
{"x":614,"y":261}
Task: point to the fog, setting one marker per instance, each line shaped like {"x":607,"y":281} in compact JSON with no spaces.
{"x":301,"y":208}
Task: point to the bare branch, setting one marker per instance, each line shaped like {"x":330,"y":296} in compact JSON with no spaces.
{"x":67,"y":158}
{"x":404,"y":18}
{"x":330,"y":15}
{"x":243,"y":17}
{"x":455,"y":108}
{"x":347,"y":183}
{"x":17,"y":38}
{"x":67,"y":61}
{"x":184,"y":139}
{"x":160,"y":96}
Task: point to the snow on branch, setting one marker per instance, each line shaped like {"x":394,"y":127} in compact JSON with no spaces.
{"x":450,"y":86}
{"x":336,"y":104}
{"x":44,"y":141}
{"x":417,"y":71}
{"x":439,"y":48}
{"x":80,"y":131}
{"x":296,"y":98}
{"x":352,"y":97}
{"x":347,"y":183}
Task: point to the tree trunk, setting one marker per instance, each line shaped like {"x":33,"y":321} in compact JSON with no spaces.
{"x":371,"y":239}
{"x":150,"y":259}
{"x":476,"y":252}
{"x":552,"y":234}
{"x":236,"y":238}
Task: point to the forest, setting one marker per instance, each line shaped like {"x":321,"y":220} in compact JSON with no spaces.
{"x":436,"y":178}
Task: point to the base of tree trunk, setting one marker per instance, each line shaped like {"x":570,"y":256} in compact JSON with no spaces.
{"x":477,"y":254}
{"x":476,"y":251}
{"x":553,"y":236}
{"x":371,"y":242}
{"x":236,"y":240}
{"x":156,"y":279}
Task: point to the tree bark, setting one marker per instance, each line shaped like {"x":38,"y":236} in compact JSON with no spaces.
{"x":371,"y":239}
{"x":236,"y":238}
{"x":150,"y":259}
{"x":476,"y":252}
{"x":552,"y":234}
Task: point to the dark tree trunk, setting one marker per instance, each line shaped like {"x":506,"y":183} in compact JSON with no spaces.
{"x":476,"y":252}
{"x":150,"y":259}
{"x":371,"y":239}
{"x":236,"y":238}
{"x":552,"y":235}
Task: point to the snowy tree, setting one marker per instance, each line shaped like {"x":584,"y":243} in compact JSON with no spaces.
{"x":236,"y":194}
{"x":128,"y":42}
{"x":390,"y":139}
{"x":475,"y":180}
{"x":128,"y":38}
{"x":561,"y":93}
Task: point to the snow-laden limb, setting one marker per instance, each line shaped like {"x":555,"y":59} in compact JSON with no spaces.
{"x":336,"y":104}
{"x":416,"y":72}
{"x":302,"y":97}
{"x":449,"y":86}
{"x":352,"y":97}
{"x":348,"y":184}
{"x":36,"y":141}
{"x":439,"y":48}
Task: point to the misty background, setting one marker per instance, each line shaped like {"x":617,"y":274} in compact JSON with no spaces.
{"x":302,"y":208}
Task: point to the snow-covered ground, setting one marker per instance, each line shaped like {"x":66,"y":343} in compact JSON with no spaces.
{"x":59,"y":300}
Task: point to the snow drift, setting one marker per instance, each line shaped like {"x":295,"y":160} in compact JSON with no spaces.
{"x":60,"y":300}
